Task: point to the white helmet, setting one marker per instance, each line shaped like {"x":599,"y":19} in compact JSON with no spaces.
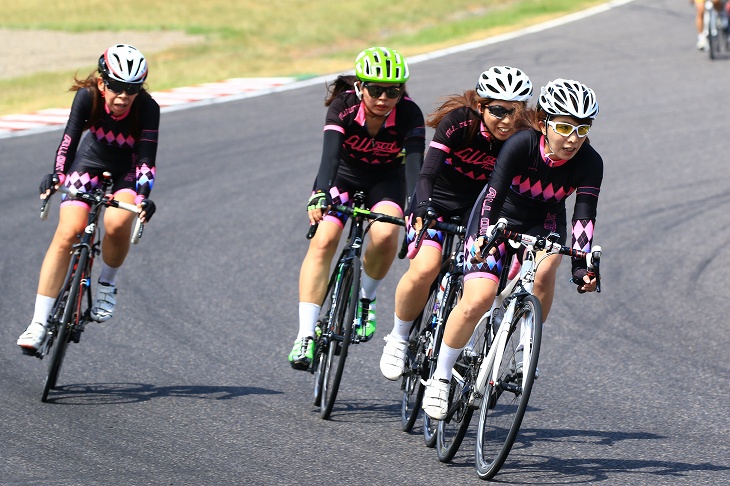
{"x":124,"y":63}
{"x":568,"y":97}
{"x":504,"y":83}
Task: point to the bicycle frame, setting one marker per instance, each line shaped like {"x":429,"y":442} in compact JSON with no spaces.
{"x":339,"y":319}
{"x":512,"y":294}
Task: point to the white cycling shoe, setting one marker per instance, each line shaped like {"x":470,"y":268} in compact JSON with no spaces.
{"x":33,"y":337}
{"x":436,"y":398}
{"x":393,"y":360}
{"x":106,"y":299}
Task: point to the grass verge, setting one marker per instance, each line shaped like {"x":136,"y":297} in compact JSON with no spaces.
{"x":247,"y":38}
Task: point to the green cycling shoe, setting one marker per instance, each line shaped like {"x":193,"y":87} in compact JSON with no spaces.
{"x":302,"y":354}
{"x":367,"y":331}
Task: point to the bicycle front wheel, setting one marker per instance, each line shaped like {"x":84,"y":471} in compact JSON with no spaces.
{"x":505,"y":398}
{"x":344,"y":307}
{"x":450,"y":431}
{"x":713,"y":33}
{"x":416,"y":366}
{"x":67,"y":310}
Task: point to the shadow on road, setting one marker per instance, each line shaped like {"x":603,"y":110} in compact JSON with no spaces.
{"x":112,"y":393}
{"x":525,"y":467}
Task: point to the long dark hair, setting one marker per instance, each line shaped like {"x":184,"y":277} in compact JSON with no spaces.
{"x":473,"y":101}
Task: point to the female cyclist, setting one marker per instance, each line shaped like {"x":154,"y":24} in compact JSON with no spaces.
{"x":470,"y":130}
{"x":372,"y":129}
{"x":535,"y":172}
{"x":122,"y":121}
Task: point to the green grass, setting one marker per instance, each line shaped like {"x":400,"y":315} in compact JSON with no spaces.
{"x":246,"y":38}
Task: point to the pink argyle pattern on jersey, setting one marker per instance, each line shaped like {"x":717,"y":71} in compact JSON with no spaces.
{"x":535,"y":190}
{"x":582,"y":234}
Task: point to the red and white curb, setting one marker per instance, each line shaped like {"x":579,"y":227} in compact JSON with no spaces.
{"x":239,"y":88}
{"x":170,"y":100}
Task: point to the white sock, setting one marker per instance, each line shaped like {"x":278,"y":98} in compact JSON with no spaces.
{"x":43,"y":307}
{"x":369,"y":287}
{"x":108,"y":274}
{"x":401,"y":328}
{"x":446,"y":361}
{"x":308,"y":314}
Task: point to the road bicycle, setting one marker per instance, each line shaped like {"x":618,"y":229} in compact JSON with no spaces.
{"x":496,"y":371}
{"x":427,"y":329}
{"x":72,"y":308}
{"x":339,"y":316}
{"x":715,"y":27}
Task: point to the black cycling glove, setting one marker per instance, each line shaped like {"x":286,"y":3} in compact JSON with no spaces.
{"x":148,"y":206}
{"x":48,"y":183}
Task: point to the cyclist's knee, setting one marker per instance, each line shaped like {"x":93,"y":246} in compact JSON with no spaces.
{"x":118,"y":227}
{"x":473,"y":307}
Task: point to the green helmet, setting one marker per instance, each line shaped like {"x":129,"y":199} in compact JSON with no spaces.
{"x":381,"y":65}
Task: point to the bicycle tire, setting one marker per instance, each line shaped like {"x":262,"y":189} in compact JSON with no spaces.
{"x":321,"y":345}
{"x":430,"y":425}
{"x":505,"y":401}
{"x":72,"y":296}
{"x":713,"y":35}
{"x":450,"y":431}
{"x":416,"y":365}
{"x":337,"y":352}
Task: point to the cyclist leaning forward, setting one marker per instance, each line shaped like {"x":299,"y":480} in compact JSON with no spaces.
{"x":374,"y":134}
{"x":535,"y":172}
{"x":123,"y":122}
{"x":470,"y":131}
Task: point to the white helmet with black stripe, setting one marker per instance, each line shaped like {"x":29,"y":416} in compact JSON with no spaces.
{"x":568,"y":97}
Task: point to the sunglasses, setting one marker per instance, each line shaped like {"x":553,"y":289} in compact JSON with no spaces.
{"x":499,"y":111}
{"x":566,"y":129}
{"x":118,"y":87}
{"x":391,"y":92}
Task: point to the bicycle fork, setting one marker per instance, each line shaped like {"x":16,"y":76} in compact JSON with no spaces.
{"x":495,"y":354}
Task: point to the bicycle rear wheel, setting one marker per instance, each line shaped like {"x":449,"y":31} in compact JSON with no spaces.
{"x":416,"y":366}
{"x":67,"y":310}
{"x":343,"y":313}
{"x":505,"y":399}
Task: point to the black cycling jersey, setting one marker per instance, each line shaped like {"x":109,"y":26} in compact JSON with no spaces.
{"x":456,"y":168}
{"x":527,"y":186}
{"x":347,"y":141}
{"x":110,"y":144}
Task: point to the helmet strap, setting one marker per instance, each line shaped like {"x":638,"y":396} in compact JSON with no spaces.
{"x":358,"y":91}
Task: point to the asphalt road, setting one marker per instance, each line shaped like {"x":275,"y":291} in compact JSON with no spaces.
{"x":189,"y":383}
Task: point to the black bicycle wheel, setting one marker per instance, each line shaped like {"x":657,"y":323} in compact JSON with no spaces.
{"x":322,"y":338}
{"x":451,"y":430}
{"x":347,"y":296}
{"x":416,"y":366}
{"x":68,"y":310}
{"x":320,"y":363}
{"x":713,"y":33}
{"x":430,"y":426}
{"x":505,"y":399}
